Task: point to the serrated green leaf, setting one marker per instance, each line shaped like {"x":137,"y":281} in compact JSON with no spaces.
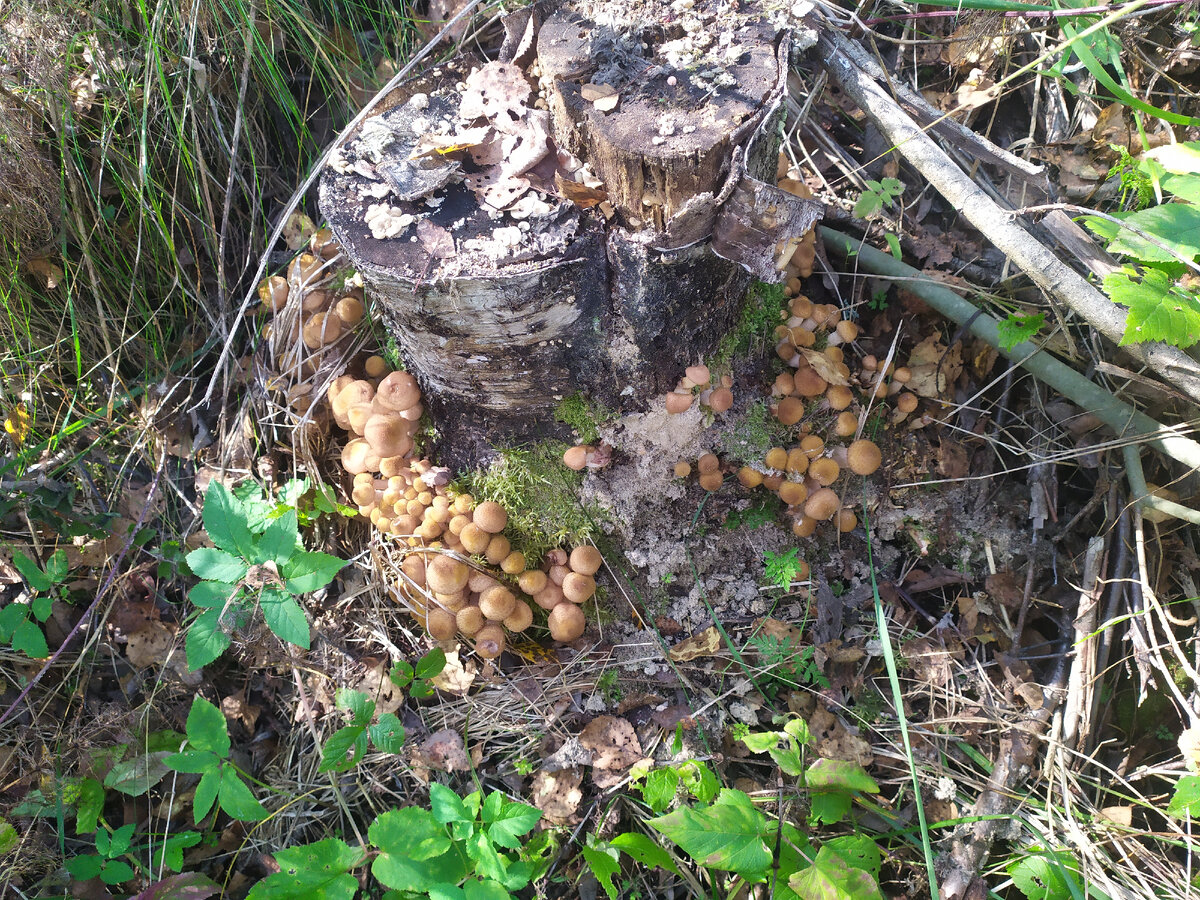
{"x":334,"y":756}
{"x":212,"y":564}
{"x":84,"y":868}
{"x":226,"y":521}
{"x":57,"y":568}
{"x":832,"y":878}
{"x":134,"y":777}
{"x":394,"y":869}
{"x":829,"y":807}
{"x":388,"y":733}
{"x":645,"y":851}
{"x":761,"y":741}
{"x":488,"y":862}
{"x":1015,"y":330}
{"x":727,"y":835}
{"x":1176,"y":226}
{"x":27,"y":638}
{"x":169,"y":853}
{"x":1046,"y":876}
{"x":211,"y":594}
{"x":88,"y":806}
{"x":485,"y":890}
{"x":605,"y":864}
{"x":318,"y":871}
{"x":446,"y":806}
{"x":859,"y":851}
{"x":31,"y":572}
{"x":205,"y":640}
{"x":1185,"y":187}
{"x":10,"y":617}
{"x":660,"y":788}
{"x":236,"y":798}
{"x":512,"y":821}
{"x":116,"y":872}
{"x":42,"y":606}
{"x":9,"y":839}
{"x":307,"y":571}
{"x":279,"y":541}
{"x":789,"y":760}
{"x":357,"y":703}
{"x":193,"y":762}
{"x":401,"y":674}
{"x":411,"y":832}
{"x":839,"y":775}
{"x":206,"y":728}
{"x":206,"y":794}
{"x":1185,"y":800}
{"x":120,"y":841}
{"x":284,"y":617}
{"x":1159,"y":310}
{"x":699,"y":780}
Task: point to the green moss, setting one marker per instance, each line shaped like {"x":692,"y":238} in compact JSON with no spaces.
{"x":541,"y":496}
{"x":760,"y":315}
{"x":584,"y":416}
{"x":753,"y":435}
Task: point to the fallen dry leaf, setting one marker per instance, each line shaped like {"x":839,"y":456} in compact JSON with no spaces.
{"x":705,"y":643}
{"x":455,"y":677}
{"x":614,"y":746}
{"x":298,"y":230}
{"x":442,"y":751}
{"x":558,"y":794}
{"x":934,"y":367}
{"x":49,"y":275}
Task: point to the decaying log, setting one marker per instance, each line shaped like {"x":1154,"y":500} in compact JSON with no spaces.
{"x":595,"y":234}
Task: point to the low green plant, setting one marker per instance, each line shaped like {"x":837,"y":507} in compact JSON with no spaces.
{"x":761,"y":312}
{"x":417,"y":679}
{"x":258,"y":561}
{"x":461,"y":848}
{"x":206,"y":754}
{"x":21,"y":622}
{"x":876,"y":196}
{"x":783,"y":569}
{"x":785,"y":663}
{"x":346,"y":747}
{"x":1016,"y":329}
{"x":584,"y":416}
{"x":1159,"y":286}
{"x":763,"y":510}
{"x":106,"y":863}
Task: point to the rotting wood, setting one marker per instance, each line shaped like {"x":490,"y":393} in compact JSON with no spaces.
{"x":513,"y":274}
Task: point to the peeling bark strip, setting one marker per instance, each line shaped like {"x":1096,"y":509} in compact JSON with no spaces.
{"x":524,"y":245}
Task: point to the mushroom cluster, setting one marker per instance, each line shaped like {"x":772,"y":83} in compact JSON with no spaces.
{"x":585,"y":456}
{"x":803,"y":252}
{"x":708,"y":469}
{"x":697,"y":383}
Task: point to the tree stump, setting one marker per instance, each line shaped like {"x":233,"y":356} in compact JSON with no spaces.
{"x":584,"y":214}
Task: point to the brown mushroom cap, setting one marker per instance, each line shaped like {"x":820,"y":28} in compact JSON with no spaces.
{"x":273,"y":292}
{"x":813,"y":445}
{"x":864,"y":457}
{"x":321,"y":329}
{"x":697,"y":374}
{"x":708,"y":462}
{"x":822,"y":504}
{"x":566,"y":621}
{"x":489,"y":641}
{"x":398,"y":391}
{"x":682,"y":469}
{"x":790,"y":410}
{"x":711,"y":481}
{"x":497,"y":603}
{"x":846,"y":520}
{"x":357,"y":456}
{"x":678,"y":402}
{"x":576,"y":457}
{"x":388,"y":434}
{"x":497,"y":550}
{"x":809,"y":383}
{"x":451,"y":602}
{"x":349,"y":310}
{"x":793,"y":493}
{"x":558,"y":572}
{"x":750,"y":478}
{"x":474,"y":539}
{"x":532,"y":581}
{"x":550,"y":596}
{"x":441,"y":624}
{"x":586,"y":560}
{"x":721,"y":400}
{"x":446,"y":575}
{"x":845,"y":424}
{"x":375,"y":366}
{"x":578,"y":588}
{"x":797,"y":461}
{"x":520,"y":618}
{"x":344,"y":394}
{"x":804,"y":527}
{"x":490,"y":516}
{"x":305,"y":268}
{"x":776,"y":458}
{"x":839,"y":396}
{"x":469,"y":620}
{"x":906,"y":402}
{"x":513,"y":564}
{"x":824,"y":471}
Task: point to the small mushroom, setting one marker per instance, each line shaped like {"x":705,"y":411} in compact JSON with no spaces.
{"x":682,"y":469}
{"x":273,"y":292}
{"x":469,"y":620}
{"x":576,"y":457}
{"x":490,"y":516}
{"x":822,"y":504}
{"x":793,"y":493}
{"x":698,"y":375}
{"x":550,"y":596}
{"x":532,"y":581}
{"x":776,"y":458}
{"x":445,"y":575}
{"x":513,"y":564}
{"x":474,"y":539}
{"x":441,"y":624}
{"x":790,"y":410}
{"x":678,"y":402}
{"x":497,"y":603}
{"x":711,"y":481}
{"x":578,"y":588}
{"x":586,"y":560}
{"x":349,"y":310}
{"x":566,"y":622}
{"x":846,"y":520}
{"x":489,"y":641}
{"x":864,"y":457}
{"x":398,"y":391}
{"x":824,"y":471}
{"x":375,"y":366}
{"x":497,"y":549}
{"x":520,"y":618}
{"x":721,"y":400}
{"x":804,"y":527}
{"x":388,"y":434}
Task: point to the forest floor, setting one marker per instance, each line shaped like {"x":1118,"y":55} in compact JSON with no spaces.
{"x":980,"y":672}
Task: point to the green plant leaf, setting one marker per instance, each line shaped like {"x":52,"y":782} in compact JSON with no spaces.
{"x":334,"y":754}
{"x":169,"y":853}
{"x":206,"y":794}
{"x":119,"y":841}
{"x":411,"y":832}
{"x":699,"y":780}
{"x":309,"y":571}
{"x":645,"y":851}
{"x":212,"y":594}
{"x":1174,"y":225}
{"x":447,"y":806}
{"x":212,"y":564}
{"x":401,"y":673}
{"x":193,"y":762}
{"x":134,"y":777}
{"x":788,"y":759}
{"x":604,"y":863}
{"x":206,"y":728}
{"x":1185,"y":800}
{"x":1017,"y":329}
{"x":431,"y":664}
{"x":319,"y":871}
{"x":9,"y":839}
{"x":727,"y":835}
{"x":57,"y":567}
{"x":839,"y":775}
{"x":41,"y":606}
{"x":859,"y":851}
{"x":514,"y":820}
{"x":116,"y":872}
{"x":832,"y":878}
{"x":1159,"y":309}
{"x":27,"y":638}
{"x":893,"y":243}
{"x":88,"y":806}
{"x":394,"y":868}
{"x":388,"y":733}
{"x":829,"y":807}
{"x":1046,"y":875}
{"x":485,"y":890}
{"x":84,"y":868}
{"x":31,"y":572}
{"x":10,"y":617}
{"x":284,"y":617}
{"x":761,"y":741}
{"x":226,"y":521}
{"x":488,"y":862}
{"x":660,"y":787}
{"x":279,"y":541}
{"x":205,"y":641}
{"x":237,"y":799}
{"x":358,"y":704}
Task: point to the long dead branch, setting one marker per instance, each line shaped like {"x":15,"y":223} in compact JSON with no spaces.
{"x":997,"y":224}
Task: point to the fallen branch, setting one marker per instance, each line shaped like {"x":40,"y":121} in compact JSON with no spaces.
{"x":997,"y":224}
{"x":1129,"y":423}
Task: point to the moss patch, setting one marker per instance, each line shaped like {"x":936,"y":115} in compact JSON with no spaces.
{"x":541,"y":496}
{"x":584,"y":416}
{"x":760,"y":315}
{"x":753,"y":435}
